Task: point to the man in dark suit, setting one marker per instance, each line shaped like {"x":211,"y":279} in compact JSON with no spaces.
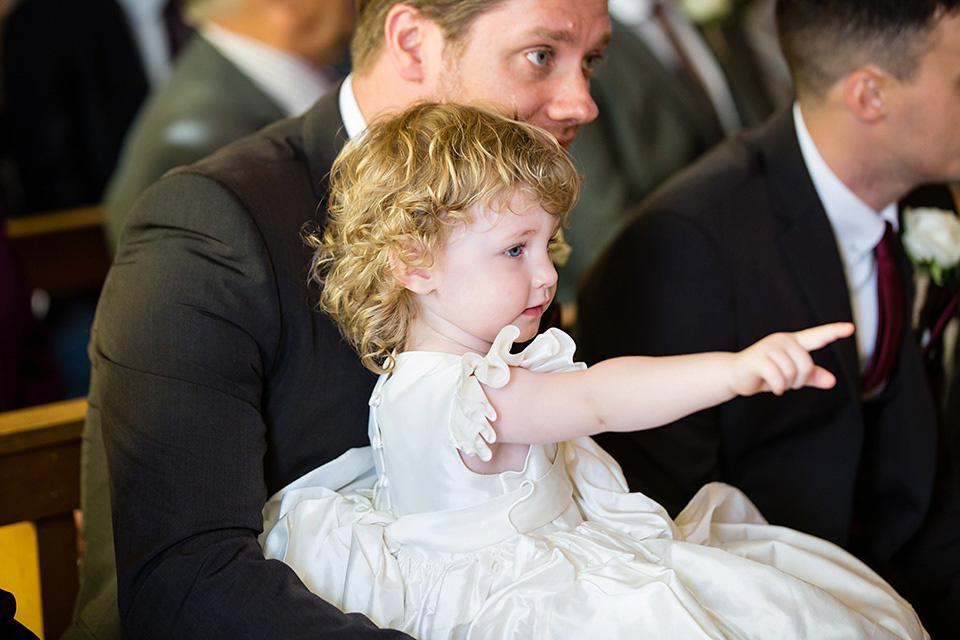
{"x":774,"y":231}
{"x":215,"y":382}
{"x":251,"y":63}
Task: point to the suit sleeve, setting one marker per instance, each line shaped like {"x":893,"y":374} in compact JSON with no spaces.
{"x":185,"y":335}
{"x":660,"y":289}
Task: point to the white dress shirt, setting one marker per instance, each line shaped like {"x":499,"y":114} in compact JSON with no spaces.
{"x":637,"y":15}
{"x":858,"y":229}
{"x":353,"y":120}
{"x":293,"y":83}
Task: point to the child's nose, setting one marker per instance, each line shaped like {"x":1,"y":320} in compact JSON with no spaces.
{"x":546,"y":274}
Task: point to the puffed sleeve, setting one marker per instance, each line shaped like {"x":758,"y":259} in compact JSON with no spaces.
{"x":470,"y":428}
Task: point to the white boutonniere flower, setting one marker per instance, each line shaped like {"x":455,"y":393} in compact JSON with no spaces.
{"x":705,"y":11}
{"x":931,"y":238}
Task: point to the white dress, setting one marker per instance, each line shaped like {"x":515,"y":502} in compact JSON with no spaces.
{"x":418,"y":542}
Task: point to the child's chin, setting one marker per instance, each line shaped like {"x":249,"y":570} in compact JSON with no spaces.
{"x":527,"y":333}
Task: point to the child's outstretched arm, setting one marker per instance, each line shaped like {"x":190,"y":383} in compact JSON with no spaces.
{"x":638,"y":392}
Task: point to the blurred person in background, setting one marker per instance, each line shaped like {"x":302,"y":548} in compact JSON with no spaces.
{"x":678,"y":76}
{"x":251,"y":63}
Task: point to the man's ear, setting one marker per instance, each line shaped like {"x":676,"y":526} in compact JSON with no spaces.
{"x":416,"y":279}
{"x":407,"y":35}
{"x":866,"y":93}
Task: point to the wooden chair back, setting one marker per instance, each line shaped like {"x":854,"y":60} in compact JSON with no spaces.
{"x":40,"y":476}
{"x":62,"y":252}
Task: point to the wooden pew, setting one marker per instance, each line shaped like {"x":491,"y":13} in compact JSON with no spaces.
{"x":40,"y":476}
{"x":62,"y":252}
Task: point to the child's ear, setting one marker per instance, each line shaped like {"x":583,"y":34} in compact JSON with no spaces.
{"x":416,"y":279}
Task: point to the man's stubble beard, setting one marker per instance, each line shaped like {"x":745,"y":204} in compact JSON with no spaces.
{"x":453,"y":89}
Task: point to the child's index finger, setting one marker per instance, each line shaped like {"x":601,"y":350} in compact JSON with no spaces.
{"x":816,"y":337}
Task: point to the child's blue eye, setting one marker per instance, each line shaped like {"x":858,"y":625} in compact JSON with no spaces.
{"x":514,"y":252}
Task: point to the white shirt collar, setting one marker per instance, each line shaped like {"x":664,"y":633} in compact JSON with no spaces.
{"x":857,"y":226}
{"x":857,"y":229}
{"x":353,"y":120}
{"x":293,"y":83}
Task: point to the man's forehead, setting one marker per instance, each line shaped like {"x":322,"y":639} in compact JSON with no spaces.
{"x":566,"y":35}
{"x":560,"y":21}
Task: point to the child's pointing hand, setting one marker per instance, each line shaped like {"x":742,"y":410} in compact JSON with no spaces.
{"x":782,"y":361}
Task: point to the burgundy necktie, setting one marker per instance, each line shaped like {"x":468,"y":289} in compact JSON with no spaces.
{"x":890,"y":312}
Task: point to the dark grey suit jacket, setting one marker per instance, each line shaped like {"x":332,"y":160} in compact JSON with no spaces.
{"x":649,"y":128}
{"x":206,"y":103}
{"x":215,"y":383}
{"x":735,"y":248}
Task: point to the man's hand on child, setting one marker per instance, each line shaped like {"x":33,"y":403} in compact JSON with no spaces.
{"x":782,"y":361}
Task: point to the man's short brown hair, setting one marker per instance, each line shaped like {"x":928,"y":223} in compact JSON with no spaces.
{"x":454,"y":18}
{"x":823,"y":40}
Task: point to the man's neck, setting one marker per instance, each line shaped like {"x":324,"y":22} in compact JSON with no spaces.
{"x":847,"y":146}
{"x":380,"y":91}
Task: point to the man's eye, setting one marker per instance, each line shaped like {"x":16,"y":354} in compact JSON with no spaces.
{"x":514,"y":252}
{"x":540,"y":57}
{"x":591,"y":62}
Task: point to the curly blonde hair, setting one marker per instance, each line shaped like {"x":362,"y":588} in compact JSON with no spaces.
{"x":399,"y":189}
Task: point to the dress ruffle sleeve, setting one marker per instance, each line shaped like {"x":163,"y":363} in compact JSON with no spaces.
{"x":470,"y":428}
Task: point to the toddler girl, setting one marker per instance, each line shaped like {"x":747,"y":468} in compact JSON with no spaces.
{"x":489,"y":513}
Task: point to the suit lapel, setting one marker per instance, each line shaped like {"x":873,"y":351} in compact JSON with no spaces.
{"x":323,"y":137}
{"x":806,"y":239}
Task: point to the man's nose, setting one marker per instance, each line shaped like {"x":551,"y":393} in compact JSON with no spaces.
{"x":572,"y":101}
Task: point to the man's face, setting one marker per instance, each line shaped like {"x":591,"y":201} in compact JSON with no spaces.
{"x":534,"y":57}
{"x":322,"y":29}
{"x":927,"y":110}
